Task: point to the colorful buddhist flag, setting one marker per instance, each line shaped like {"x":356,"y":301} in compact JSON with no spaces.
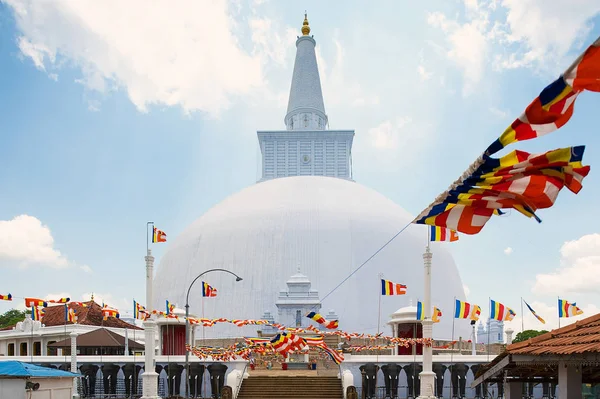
{"x":535,"y":314}
{"x":159,"y":235}
{"x":139,"y":311}
{"x":390,"y":288}
{"x":436,"y":316}
{"x":330,"y":324}
{"x":37,"y":313}
{"x":438,"y":233}
{"x":6,"y":297}
{"x":566,"y":309}
{"x":60,"y":300}
{"x":170,"y":307}
{"x":70,"y":315}
{"x":420,"y":313}
{"x":521,"y":181}
{"x":500,"y":312}
{"x":464,"y":310}
{"x":207,"y":290}
{"x":30,"y":302}
{"x":109,"y":312}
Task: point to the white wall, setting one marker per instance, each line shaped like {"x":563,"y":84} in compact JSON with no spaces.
{"x":53,"y":388}
{"x":12,"y":388}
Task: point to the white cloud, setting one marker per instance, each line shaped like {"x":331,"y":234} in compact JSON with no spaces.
{"x":122,"y":304}
{"x":467,"y":45}
{"x":578,"y":273}
{"x":184,"y":54}
{"x":498,"y":112}
{"x":388,"y":135}
{"x":520,"y":33}
{"x":467,"y":290}
{"x":508,"y":251}
{"x":86,"y":269}
{"x":546,"y":29}
{"x":26,"y":241}
{"x":423,"y":73}
{"x":339,"y":89}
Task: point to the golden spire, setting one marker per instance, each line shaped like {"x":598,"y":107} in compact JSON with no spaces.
{"x":305,"y":27}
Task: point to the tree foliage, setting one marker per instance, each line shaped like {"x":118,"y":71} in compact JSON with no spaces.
{"x":12,"y":317}
{"x":526,"y":334}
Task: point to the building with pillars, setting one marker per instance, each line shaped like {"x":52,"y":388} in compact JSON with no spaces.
{"x":32,"y":338}
{"x":306,"y":209}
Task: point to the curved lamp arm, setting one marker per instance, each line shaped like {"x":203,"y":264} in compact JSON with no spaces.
{"x":187,"y":297}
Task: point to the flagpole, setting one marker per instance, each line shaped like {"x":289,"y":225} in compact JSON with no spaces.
{"x":148,"y":238}
{"x":452,"y":348}
{"x":558,"y":312}
{"x":488,"y":327}
{"x":522,"y":317}
{"x":379,"y":312}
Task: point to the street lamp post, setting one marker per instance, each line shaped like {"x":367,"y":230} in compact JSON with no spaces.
{"x":187,"y":323}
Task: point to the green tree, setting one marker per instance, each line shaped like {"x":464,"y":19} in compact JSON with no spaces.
{"x":12,"y":317}
{"x":526,"y":334}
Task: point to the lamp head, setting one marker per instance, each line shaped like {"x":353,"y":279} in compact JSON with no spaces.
{"x":238,"y":278}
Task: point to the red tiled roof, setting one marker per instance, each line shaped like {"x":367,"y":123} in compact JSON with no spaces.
{"x":90,"y":315}
{"x":582,"y":336}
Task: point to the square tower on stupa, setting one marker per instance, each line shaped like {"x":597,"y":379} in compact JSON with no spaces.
{"x":307,"y":147}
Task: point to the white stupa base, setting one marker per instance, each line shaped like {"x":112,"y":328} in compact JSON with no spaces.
{"x":427,"y":385}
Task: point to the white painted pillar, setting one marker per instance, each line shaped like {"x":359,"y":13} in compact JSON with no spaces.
{"x":427,"y":376}
{"x":150,"y":377}
{"x":569,"y":381}
{"x":509,"y":333}
{"x":514,"y":390}
{"x":73,"y":336}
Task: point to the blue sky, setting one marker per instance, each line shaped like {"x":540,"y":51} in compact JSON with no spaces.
{"x":111,"y":118}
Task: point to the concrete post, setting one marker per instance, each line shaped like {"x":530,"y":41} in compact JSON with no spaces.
{"x":73,"y":336}
{"x":427,"y":375}
{"x":569,"y":381}
{"x":150,"y":377}
{"x":509,"y":333}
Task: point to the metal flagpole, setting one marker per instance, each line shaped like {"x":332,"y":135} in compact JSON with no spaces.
{"x":488,"y":328}
{"x":452,"y":348}
{"x":558,"y":312}
{"x":379,"y":313}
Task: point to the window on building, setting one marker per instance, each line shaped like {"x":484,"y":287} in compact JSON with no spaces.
{"x":23,"y":349}
{"x":499,"y":337}
{"x":37,"y":348}
{"x":292,"y":122}
{"x":298,"y":318}
{"x":51,"y":351}
{"x":320,"y":123}
{"x":305,"y":120}
{"x":11,"y":349}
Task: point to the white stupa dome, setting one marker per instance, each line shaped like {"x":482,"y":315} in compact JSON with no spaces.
{"x":326,"y":227}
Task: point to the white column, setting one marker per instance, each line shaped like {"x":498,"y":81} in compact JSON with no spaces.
{"x":569,"y":381}
{"x":427,"y":375}
{"x":509,"y":333}
{"x":150,"y":377}
{"x":514,"y":390}
{"x":73,"y":336}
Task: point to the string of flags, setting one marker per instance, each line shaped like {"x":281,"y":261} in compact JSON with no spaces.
{"x":521,"y":181}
